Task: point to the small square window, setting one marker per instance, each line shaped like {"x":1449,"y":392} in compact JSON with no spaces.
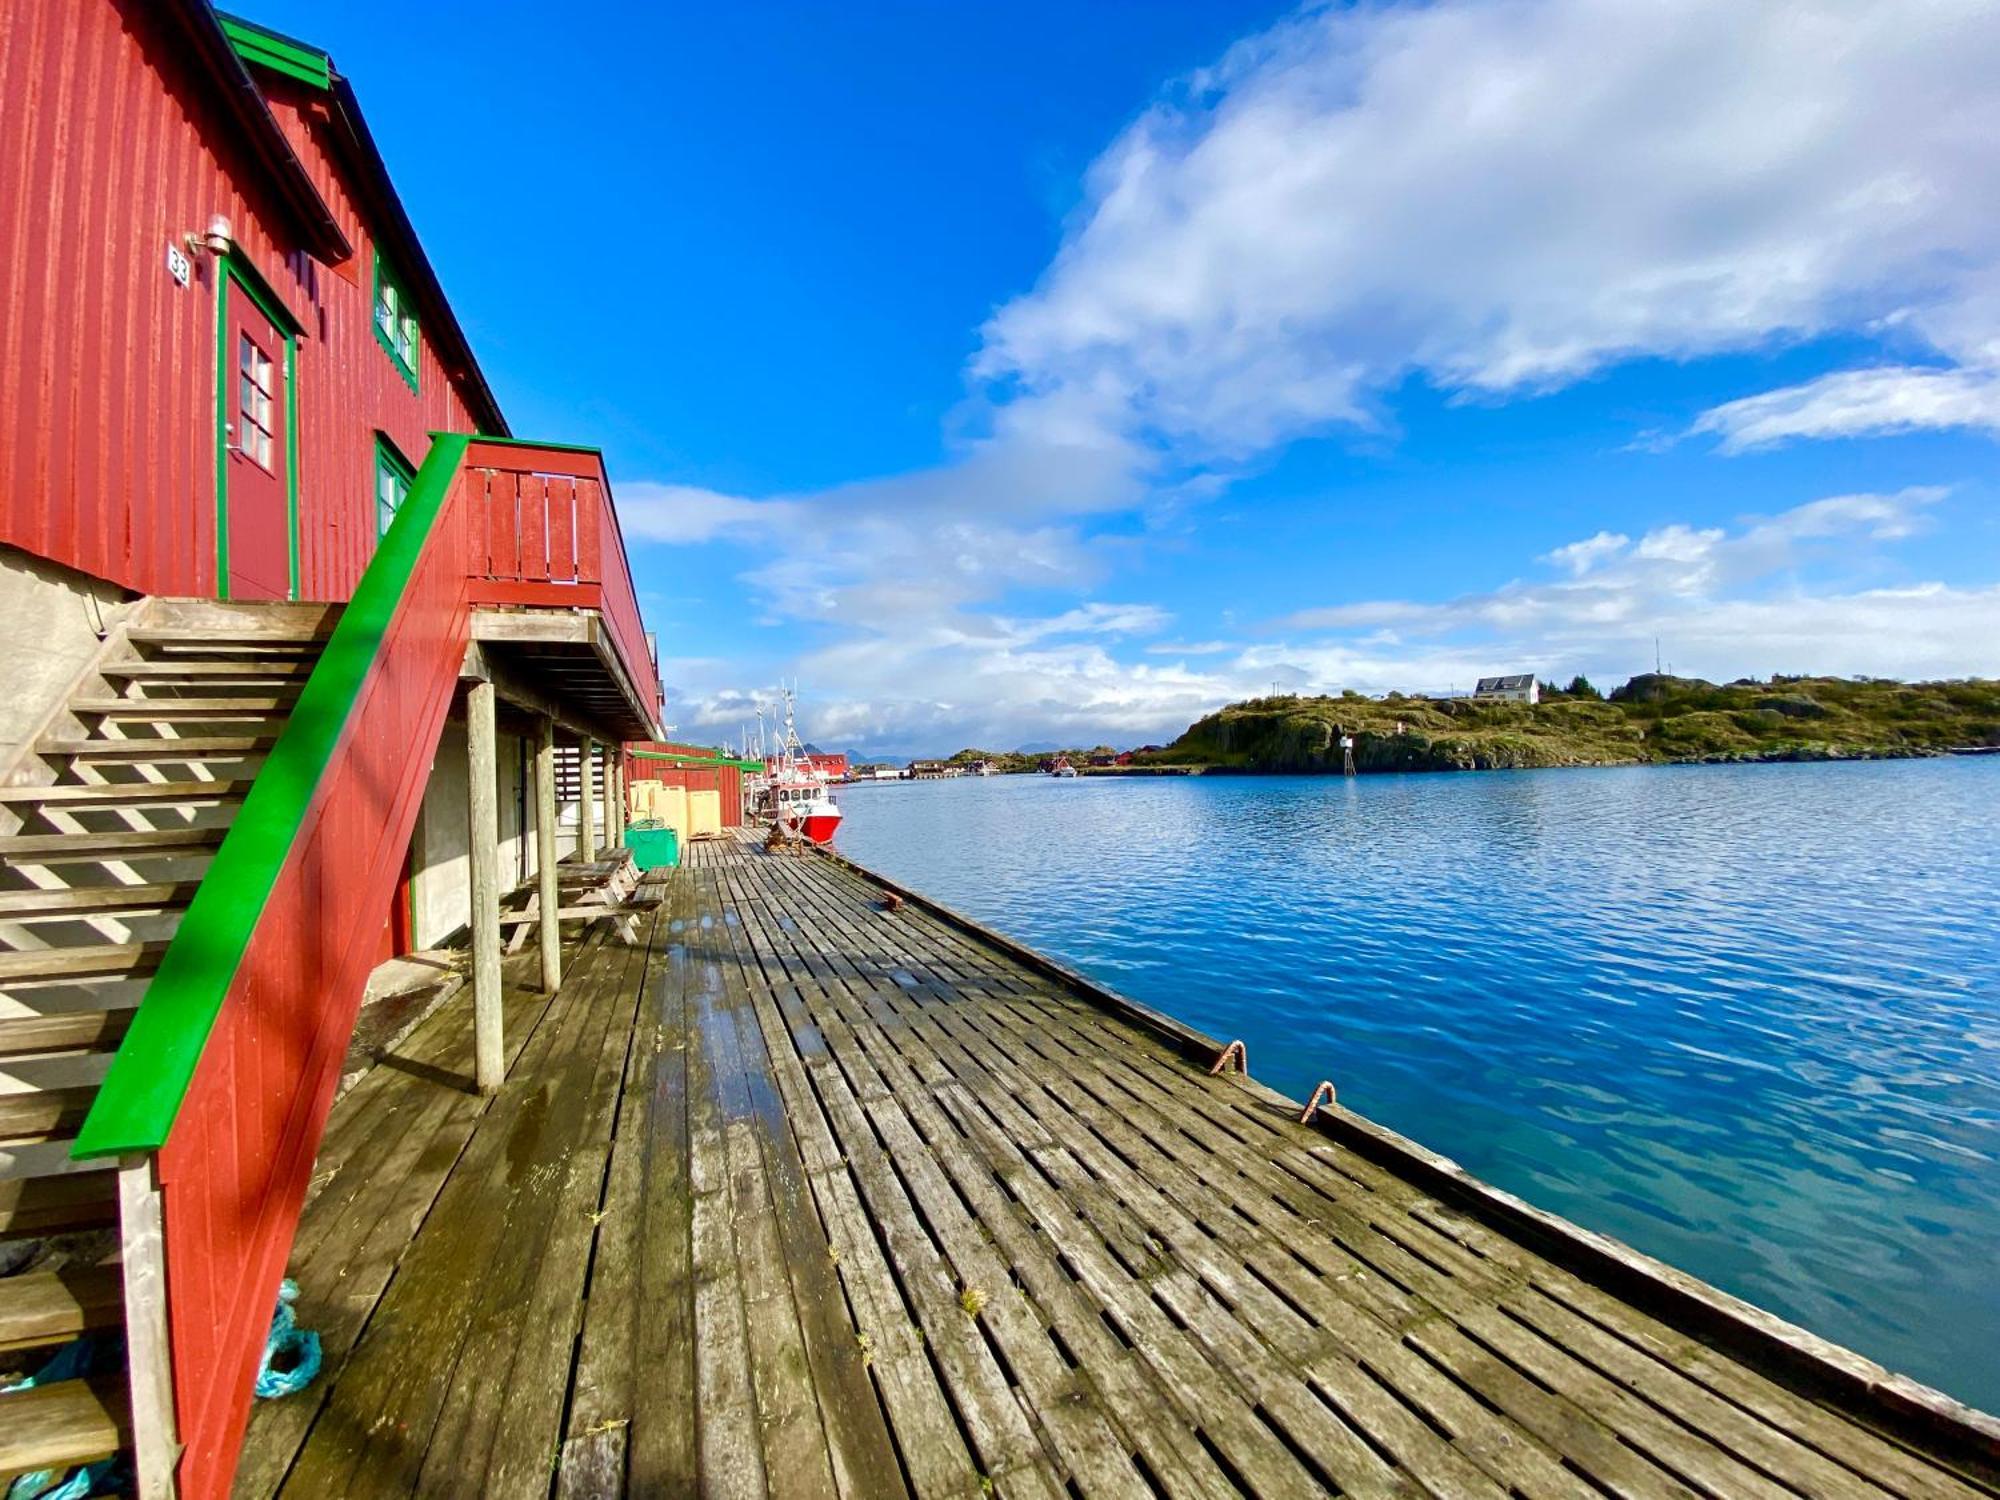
{"x":396,"y":321}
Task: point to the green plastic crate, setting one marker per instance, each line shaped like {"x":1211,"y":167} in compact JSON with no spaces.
{"x":654,"y":846}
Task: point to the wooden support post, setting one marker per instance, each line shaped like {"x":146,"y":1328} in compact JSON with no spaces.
{"x":547,"y":852}
{"x":614,"y":777}
{"x":156,"y":1448}
{"x":483,"y":829}
{"x":609,"y":792}
{"x":586,"y":804}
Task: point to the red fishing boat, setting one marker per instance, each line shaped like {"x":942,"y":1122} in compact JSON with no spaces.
{"x":794,"y":794}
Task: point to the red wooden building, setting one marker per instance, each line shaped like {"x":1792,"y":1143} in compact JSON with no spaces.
{"x":301,"y":642}
{"x":697,"y":768}
{"x":832,"y":765}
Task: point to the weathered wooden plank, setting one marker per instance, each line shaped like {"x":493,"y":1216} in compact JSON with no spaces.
{"x":389,"y":1147}
{"x":859,"y":1449}
{"x":528,"y":1422}
{"x":1099,"y":1458}
{"x":794,"y":1437}
{"x":592,"y":1464}
{"x":378,"y":1420}
{"x":929,"y":1439}
{"x":731,"y":1455}
{"x":1060,"y":1402}
{"x":602,"y":1390}
{"x":1174,"y":1455}
{"x":993,"y":1423}
{"x":1356,"y":1395}
{"x":662,"y":1446}
{"x":517,"y":1351}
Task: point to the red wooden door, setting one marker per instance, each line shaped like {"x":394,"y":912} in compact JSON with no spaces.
{"x":399,"y":931}
{"x":256,"y":499}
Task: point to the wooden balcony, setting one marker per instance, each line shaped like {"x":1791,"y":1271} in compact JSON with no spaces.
{"x":544,"y":536}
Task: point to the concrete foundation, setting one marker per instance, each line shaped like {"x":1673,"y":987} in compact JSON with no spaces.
{"x":53,"y":621}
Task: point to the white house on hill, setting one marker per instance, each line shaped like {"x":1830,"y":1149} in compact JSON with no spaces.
{"x":1520,"y":688}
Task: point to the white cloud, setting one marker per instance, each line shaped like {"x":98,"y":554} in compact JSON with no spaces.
{"x":1858,"y":403}
{"x":1101,"y":619}
{"x":1581,"y":557}
{"x":1191,"y":648}
{"x":1774,"y":593}
{"x":686,"y":514}
{"x":1800,"y":590}
{"x":1510,"y":196}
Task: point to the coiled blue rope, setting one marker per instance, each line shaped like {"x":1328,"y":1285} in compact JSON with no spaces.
{"x":291,"y":1353}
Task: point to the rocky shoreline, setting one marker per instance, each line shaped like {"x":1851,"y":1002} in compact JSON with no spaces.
{"x":1651,"y":720}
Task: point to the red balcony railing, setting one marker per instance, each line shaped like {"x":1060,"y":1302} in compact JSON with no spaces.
{"x":545,"y":534}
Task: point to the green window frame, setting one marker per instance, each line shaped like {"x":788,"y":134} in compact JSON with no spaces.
{"x":393,"y":478}
{"x":396,"y":321}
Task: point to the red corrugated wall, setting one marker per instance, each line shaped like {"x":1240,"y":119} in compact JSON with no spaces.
{"x":115,"y":147}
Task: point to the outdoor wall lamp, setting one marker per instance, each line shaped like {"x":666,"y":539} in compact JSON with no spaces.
{"x":216,"y":240}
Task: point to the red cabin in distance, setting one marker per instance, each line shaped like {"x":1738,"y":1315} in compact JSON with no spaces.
{"x":831,"y":766}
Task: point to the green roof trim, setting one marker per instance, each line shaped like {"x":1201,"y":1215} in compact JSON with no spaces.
{"x":149,"y":1077}
{"x":697,"y":760}
{"x":517,"y":442}
{"x":276,"y":51}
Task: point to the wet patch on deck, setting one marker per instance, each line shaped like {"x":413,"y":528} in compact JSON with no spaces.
{"x":800,"y":1197}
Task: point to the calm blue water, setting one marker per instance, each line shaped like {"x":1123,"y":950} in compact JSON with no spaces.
{"x":1744,"y":1018}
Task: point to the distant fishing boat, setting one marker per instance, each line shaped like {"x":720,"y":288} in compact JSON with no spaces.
{"x":793,"y":794}
{"x":1062,"y":767}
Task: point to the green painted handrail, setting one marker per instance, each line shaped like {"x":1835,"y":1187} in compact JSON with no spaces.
{"x":697,"y":760}
{"x":150,"y":1074}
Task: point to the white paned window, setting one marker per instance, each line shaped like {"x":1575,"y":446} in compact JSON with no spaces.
{"x":255,"y":410}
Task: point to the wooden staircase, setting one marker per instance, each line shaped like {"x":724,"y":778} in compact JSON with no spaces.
{"x":107,"y":824}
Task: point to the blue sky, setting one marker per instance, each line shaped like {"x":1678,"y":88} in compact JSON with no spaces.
{"x":1032,"y":372}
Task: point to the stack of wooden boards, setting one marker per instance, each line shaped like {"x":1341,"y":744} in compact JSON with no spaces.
{"x":691,"y":814}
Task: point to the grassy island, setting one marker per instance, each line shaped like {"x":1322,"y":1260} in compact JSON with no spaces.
{"x":1652,"y":718}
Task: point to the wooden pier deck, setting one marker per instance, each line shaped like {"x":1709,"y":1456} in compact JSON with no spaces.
{"x":805,"y":1197}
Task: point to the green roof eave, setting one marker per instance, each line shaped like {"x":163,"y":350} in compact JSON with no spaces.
{"x":383,"y":209}
{"x":519,"y":442}
{"x":276,"y":51}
